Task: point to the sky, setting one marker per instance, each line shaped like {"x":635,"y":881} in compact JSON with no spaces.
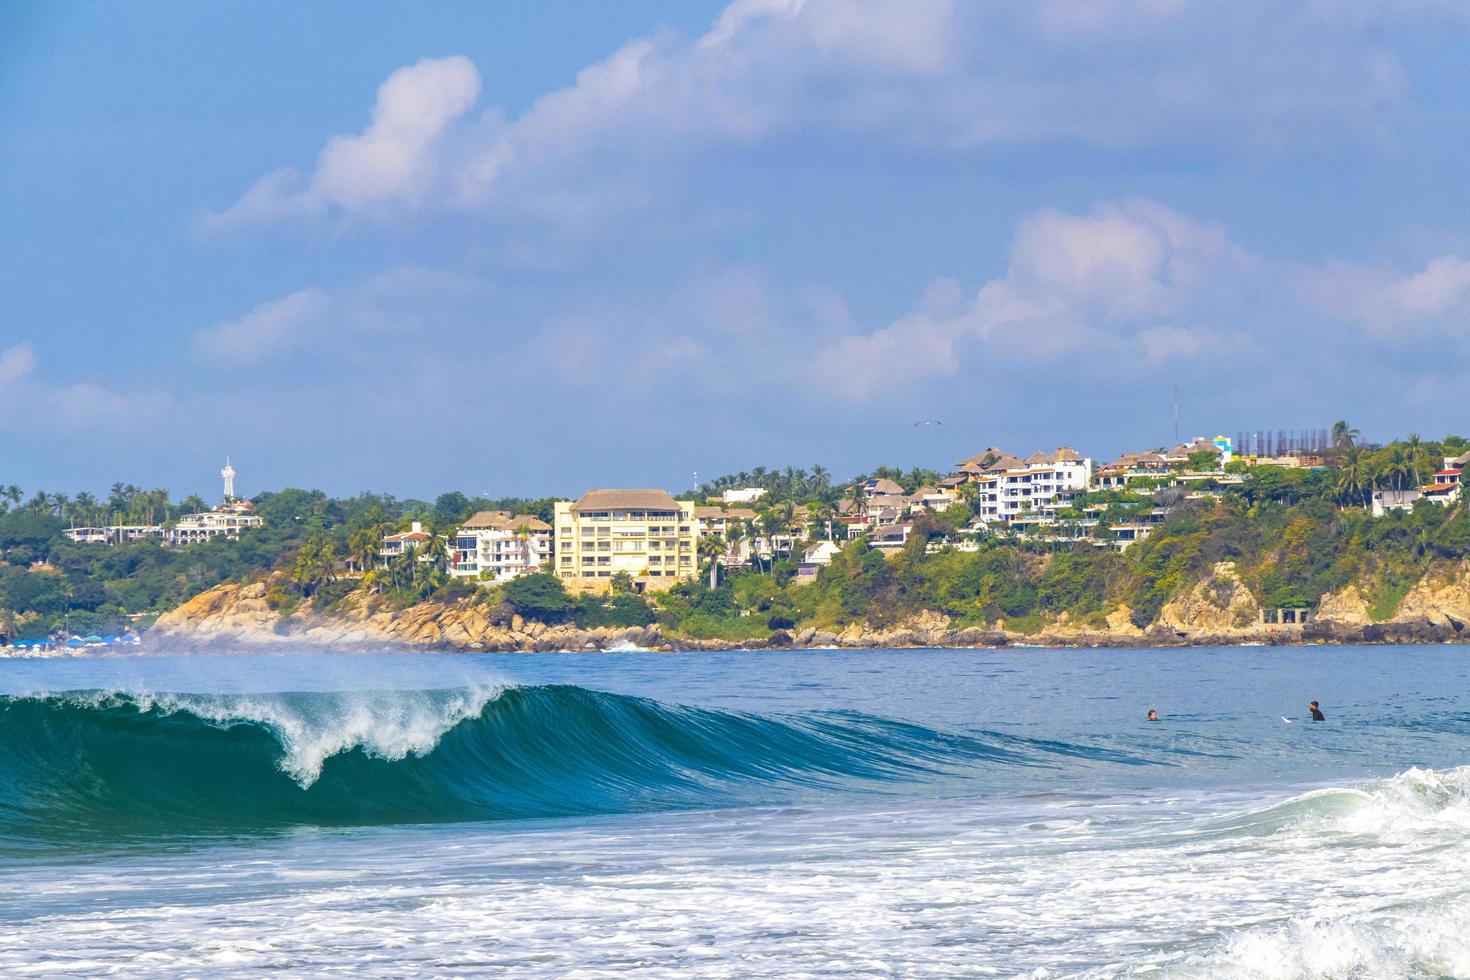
{"x":532,"y":248}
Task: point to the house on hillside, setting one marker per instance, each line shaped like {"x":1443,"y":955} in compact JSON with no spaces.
{"x":880,"y":487}
{"x":814,"y":558}
{"x":1385,"y":501}
{"x":394,"y":545}
{"x":1038,"y":485}
{"x":717,"y":521}
{"x":892,"y":537}
{"x":933,"y":499}
{"x":497,"y":546}
{"x":192,"y":528}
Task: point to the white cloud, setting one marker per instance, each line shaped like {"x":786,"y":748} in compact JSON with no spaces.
{"x":1434,"y":299}
{"x":17,"y":362}
{"x":1441,"y":288}
{"x":34,"y":405}
{"x":267,"y":330}
{"x":1167,"y":341}
{"x":1097,"y":285}
{"x":1245,"y":78}
{"x":389,"y":163}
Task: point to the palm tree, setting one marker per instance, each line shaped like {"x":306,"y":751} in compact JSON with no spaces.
{"x":1398,"y":466}
{"x":771,"y":525}
{"x":711,"y":548}
{"x":1352,"y":478}
{"x":1344,"y":436}
{"x":313,"y":565}
{"x":362,"y":548}
{"x":437,"y":550}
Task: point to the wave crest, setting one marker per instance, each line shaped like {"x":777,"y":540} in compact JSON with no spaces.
{"x":111,"y":762}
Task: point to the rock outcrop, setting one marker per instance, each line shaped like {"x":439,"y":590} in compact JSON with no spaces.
{"x":1217,"y":610}
{"x":240,"y":616}
{"x":1218,"y":605}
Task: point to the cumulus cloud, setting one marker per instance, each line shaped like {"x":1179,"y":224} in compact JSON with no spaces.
{"x":29,"y":403}
{"x":16,"y":363}
{"x":1244,"y":78}
{"x":1076,"y":285}
{"x":389,"y":163}
{"x":1387,"y":302}
{"x":269,"y":329}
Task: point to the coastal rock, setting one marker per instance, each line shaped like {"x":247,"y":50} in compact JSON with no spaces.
{"x":1217,"y":604}
{"x":1442,"y":602}
{"x":1345,"y":608}
{"x":1120,"y":622}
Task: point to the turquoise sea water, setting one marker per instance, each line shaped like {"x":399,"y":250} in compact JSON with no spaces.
{"x":931,"y":813}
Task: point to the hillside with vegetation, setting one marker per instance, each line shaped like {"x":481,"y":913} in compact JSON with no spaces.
{"x":1222,"y":551}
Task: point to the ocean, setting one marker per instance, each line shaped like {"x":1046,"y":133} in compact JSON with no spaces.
{"x":873,"y":813}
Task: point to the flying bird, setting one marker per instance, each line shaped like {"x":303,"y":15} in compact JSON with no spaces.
{"x":930,"y":422}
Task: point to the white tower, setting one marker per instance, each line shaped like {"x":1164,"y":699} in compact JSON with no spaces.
{"x":229,"y":474}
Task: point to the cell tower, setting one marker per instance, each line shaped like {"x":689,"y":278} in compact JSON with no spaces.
{"x":229,"y":476}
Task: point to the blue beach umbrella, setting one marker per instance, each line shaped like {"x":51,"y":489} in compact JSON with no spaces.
{"x":74,"y":641}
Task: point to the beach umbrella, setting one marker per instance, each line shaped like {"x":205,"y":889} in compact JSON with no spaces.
{"x":94,"y":638}
{"x":109,"y":638}
{"x":74,"y":641}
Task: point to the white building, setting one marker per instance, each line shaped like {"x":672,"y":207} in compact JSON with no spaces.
{"x":816,"y":557}
{"x":496,"y":546}
{"x":192,"y":528}
{"x":396,"y":544}
{"x":117,"y":534}
{"x":1387,"y":500}
{"x":1041,"y":485}
{"x":744,"y":495}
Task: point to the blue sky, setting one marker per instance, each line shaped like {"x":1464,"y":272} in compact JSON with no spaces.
{"x":535,"y":248}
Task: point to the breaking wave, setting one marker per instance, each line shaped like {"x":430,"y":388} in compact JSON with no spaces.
{"x":113,"y":763}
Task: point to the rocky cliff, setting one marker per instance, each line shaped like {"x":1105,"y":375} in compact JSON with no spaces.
{"x":240,"y":615}
{"x":1219,"y":609}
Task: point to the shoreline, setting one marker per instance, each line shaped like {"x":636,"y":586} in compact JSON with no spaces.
{"x":652,"y":640}
{"x":241,"y":616}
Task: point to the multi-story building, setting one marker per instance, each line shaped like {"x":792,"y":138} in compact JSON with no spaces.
{"x":192,"y":528}
{"x":496,"y":546}
{"x":718,"y":520}
{"x":117,"y":534}
{"x":645,"y":533}
{"x":1041,"y":485}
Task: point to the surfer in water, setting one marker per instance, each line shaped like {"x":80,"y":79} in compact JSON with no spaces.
{"x":1153,"y":715}
{"x":1317,"y":714}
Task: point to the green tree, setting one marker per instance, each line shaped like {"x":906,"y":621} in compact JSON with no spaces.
{"x":541,"y":597}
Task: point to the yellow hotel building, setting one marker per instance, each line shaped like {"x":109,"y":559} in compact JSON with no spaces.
{"x":646,"y":533}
